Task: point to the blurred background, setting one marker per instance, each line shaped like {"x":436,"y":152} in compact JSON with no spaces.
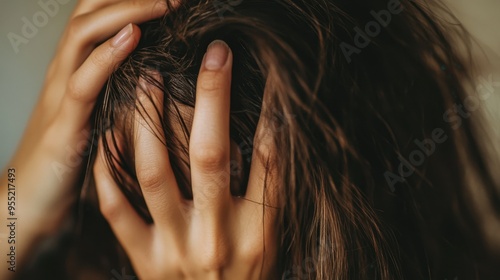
{"x":23,"y":63}
{"x":22,"y":72}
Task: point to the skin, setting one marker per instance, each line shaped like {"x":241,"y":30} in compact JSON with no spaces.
{"x":215,"y":236}
{"x":61,"y":117}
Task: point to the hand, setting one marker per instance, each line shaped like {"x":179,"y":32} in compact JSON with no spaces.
{"x":49,"y":159}
{"x":216,"y":235}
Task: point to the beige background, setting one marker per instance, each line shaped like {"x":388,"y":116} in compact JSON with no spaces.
{"x":22,"y":74}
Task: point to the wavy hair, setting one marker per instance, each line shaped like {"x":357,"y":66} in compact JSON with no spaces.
{"x":371,"y":161}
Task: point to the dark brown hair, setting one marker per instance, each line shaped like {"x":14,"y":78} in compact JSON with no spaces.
{"x":349,"y":117}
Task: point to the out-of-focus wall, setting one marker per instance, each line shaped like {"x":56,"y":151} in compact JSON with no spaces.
{"x":24,"y":57}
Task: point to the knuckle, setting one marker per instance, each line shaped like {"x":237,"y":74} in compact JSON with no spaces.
{"x":76,"y":90}
{"x":150,"y":178}
{"x":209,"y":157}
{"x":110,"y":209}
{"x":100,"y":58}
{"x":211,"y":82}
{"x":75,"y":29}
{"x":264,"y":149}
{"x":251,"y":254}
{"x":136,"y":4}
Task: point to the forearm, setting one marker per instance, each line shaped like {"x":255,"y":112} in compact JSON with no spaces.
{"x":25,"y":218}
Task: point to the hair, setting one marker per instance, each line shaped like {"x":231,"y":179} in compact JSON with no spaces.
{"x":347,"y":119}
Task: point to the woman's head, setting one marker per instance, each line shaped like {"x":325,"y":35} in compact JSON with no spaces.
{"x":345,"y":107}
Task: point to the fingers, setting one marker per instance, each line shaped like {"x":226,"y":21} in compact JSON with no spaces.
{"x":209,"y":146}
{"x":223,"y":238}
{"x":98,"y":25}
{"x":262,"y":182}
{"x":87,"y":6}
{"x":153,"y":168}
{"x":258,"y":211}
{"x":92,"y":22}
{"x":86,"y":83}
{"x":102,"y":21}
{"x":129,"y":228}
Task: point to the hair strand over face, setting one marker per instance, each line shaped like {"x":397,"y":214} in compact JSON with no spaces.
{"x":338,"y":126}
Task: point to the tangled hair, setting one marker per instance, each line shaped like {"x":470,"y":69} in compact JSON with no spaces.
{"x":345,"y":118}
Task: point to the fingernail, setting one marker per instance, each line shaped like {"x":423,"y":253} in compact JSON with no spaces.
{"x":122,"y":36}
{"x":217,"y":54}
